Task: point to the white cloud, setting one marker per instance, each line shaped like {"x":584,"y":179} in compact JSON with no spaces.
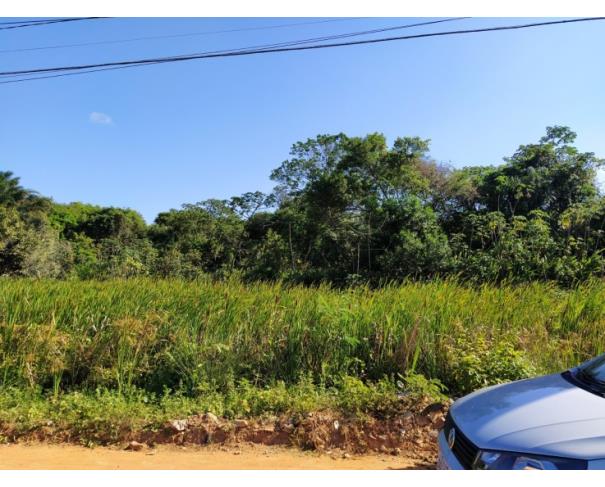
{"x":100,"y":118}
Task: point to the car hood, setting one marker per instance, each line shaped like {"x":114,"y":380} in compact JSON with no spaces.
{"x":547,"y":416}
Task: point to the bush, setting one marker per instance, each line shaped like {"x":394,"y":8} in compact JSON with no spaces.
{"x":476,"y":361}
{"x":418,"y":387}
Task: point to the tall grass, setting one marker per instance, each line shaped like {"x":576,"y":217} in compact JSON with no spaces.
{"x":195,"y":336}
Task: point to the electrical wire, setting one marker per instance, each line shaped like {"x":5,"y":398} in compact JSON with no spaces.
{"x":235,"y":53}
{"x":173,"y":36}
{"x":26,"y":21}
{"x":299,"y":42}
{"x":36,"y":23}
{"x":264,"y":46}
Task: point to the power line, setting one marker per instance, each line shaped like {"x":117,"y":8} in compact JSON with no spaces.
{"x":26,"y":21}
{"x":36,"y":23}
{"x":304,"y":41}
{"x":286,"y":43}
{"x":42,"y":21}
{"x":326,"y":38}
{"x":280,"y":49}
{"x":265,"y":46}
{"x":173,"y":36}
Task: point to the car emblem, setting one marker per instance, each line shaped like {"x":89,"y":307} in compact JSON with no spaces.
{"x":451,"y":438}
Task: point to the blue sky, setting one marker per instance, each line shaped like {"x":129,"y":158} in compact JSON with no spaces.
{"x":153,"y":138}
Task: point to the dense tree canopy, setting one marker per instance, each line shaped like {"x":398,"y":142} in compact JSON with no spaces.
{"x":344,"y":210}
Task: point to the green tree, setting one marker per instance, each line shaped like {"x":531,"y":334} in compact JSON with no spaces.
{"x":551,"y":176}
{"x":201,"y":238}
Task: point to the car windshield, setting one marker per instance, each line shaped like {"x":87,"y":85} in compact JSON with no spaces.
{"x":594,"y":370}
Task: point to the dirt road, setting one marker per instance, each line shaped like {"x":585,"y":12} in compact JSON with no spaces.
{"x":46,"y":456}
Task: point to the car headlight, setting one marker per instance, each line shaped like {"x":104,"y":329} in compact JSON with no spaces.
{"x":492,"y":460}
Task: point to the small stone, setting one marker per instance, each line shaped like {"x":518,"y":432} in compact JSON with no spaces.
{"x":219,"y":435}
{"x":135,"y":446}
{"x":433,"y":408}
{"x":346,"y":456}
{"x":336,"y":425}
{"x":178,"y":425}
{"x":241,"y":423}
{"x":396,"y":451}
{"x":422,"y":421}
{"x":212,"y":418}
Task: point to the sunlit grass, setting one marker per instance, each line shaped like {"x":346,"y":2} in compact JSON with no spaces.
{"x":194,"y":337}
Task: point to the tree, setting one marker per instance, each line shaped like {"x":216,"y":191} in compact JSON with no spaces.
{"x":550,"y":176}
{"x":206,"y":236}
{"x":11,"y":191}
{"x":33,"y":251}
{"x":344,"y":210}
{"x":413,"y":243}
{"x":339,"y":189}
{"x":106,"y":242}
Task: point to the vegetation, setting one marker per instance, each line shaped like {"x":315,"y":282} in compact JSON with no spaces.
{"x":200,"y":338}
{"x":345,"y":210}
{"x":368,"y":273}
{"x":106,"y":416}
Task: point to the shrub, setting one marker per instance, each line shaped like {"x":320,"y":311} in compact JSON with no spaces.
{"x":475,"y":361}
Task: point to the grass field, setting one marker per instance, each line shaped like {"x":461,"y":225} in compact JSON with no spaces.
{"x":191,"y":336}
{"x":140,"y":351}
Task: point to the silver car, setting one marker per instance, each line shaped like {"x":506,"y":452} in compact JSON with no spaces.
{"x":554,"y":422}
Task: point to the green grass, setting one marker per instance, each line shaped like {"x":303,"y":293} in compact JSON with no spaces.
{"x":105,"y":416}
{"x":203,"y":338}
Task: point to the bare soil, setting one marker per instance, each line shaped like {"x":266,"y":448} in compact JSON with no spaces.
{"x":321,"y":440}
{"x":411,"y":434}
{"x":171,"y":457}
